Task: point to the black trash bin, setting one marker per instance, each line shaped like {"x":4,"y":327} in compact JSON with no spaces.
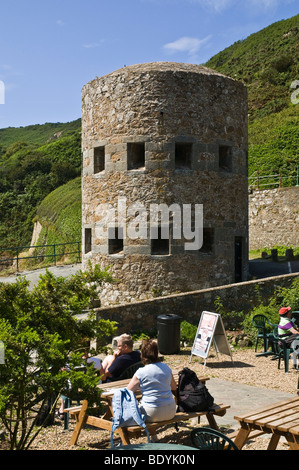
{"x":169,"y":333}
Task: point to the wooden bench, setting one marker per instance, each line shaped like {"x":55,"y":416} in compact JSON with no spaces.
{"x":84,"y":416}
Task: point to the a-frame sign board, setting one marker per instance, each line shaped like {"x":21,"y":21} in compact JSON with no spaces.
{"x":210,"y":329}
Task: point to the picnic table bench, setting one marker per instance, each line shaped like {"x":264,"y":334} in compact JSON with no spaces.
{"x":278,"y":419}
{"x":83,"y":415}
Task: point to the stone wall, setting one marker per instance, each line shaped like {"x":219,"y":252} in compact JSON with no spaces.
{"x":274,"y":218}
{"x":155,"y":113}
{"x":243,"y":296}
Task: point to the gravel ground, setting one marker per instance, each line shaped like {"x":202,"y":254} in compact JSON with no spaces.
{"x":260,"y":372}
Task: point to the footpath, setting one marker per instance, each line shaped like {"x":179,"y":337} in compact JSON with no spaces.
{"x":34,"y":275}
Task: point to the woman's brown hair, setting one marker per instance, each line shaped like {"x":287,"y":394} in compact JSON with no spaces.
{"x":149,"y":352}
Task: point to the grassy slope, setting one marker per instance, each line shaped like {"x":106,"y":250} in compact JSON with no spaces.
{"x":37,"y":134}
{"x":267,"y":62}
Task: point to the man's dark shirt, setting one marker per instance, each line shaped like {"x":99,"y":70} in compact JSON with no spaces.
{"x":123,"y":362}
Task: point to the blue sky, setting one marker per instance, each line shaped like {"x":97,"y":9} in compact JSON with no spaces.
{"x":50,"y":48}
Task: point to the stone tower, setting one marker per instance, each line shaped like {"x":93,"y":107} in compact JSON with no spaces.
{"x":170,"y":136}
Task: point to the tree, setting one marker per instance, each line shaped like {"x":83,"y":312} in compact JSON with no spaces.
{"x":41,"y":332}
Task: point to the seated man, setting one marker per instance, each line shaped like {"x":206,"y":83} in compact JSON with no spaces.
{"x":288,"y":331}
{"x":123,"y":357}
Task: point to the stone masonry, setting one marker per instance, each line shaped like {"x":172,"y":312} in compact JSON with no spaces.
{"x":172,"y":134}
{"x":274,"y":218}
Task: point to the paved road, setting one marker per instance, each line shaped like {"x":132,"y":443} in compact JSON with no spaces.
{"x":261,"y":268}
{"x":33,"y":276}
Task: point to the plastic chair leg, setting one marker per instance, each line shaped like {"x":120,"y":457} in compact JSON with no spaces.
{"x":67,"y":404}
{"x":287,"y":359}
{"x":286,"y":356}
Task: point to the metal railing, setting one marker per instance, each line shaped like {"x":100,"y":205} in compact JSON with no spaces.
{"x":256,"y":181}
{"x":18,"y":252}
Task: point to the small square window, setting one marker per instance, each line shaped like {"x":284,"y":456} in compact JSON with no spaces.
{"x":183,"y":155}
{"x":87,"y":244}
{"x":98,"y":159}
{"x":208,"y":240}
{"x":159,"y":245}
{"x":115,"y":241}
{"x":225,"y":158}
{"x":136,"y":155}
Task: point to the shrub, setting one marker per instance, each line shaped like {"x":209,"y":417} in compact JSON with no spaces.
{"x":188,"y":332}
{"x":41,"y":333}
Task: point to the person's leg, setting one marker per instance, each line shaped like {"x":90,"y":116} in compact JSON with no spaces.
{"x":295,"y":347}
{"x":157,"y":414}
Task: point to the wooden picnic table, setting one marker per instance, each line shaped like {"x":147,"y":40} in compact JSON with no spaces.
{"x":278,"y":419}
{"x":84,"y":416}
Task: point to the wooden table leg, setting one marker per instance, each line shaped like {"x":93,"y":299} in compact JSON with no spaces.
{"x":212,"y":421}
{"x":124,"y":435}
{"x":293,"y":441}
{"x":79,"y":424}
{"x":273,"y":441}
{"x":242,"y":437}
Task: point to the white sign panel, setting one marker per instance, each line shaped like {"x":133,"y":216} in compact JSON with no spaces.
{"x":210,"y":330}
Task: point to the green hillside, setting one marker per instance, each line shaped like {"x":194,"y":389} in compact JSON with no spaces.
{"x":31,"y":167}
{"x":38,"y":134}
{"x":267,"y":62}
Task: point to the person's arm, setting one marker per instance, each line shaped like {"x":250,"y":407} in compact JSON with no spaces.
{"x":133,"y":384}
{"x":173,"y":384}
{"x":294,"y":330}
{"x":108,"y":361}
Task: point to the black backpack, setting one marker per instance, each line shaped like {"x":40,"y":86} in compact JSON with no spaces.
{"x":192,"y":394}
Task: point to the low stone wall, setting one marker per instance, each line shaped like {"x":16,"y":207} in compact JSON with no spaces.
{"x":274,"y":218}
{"x":243,"y":296}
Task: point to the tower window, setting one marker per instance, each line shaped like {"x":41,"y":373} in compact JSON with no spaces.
{"x":208,"y":240}
{"x":159,"y":245}
{"x":98,"y":159}
{"x":115,"y":241}
{"x":87,"y":245}
{"x":225,"y":158}
{"x":183,"y":155}
{"x":136,"y":155}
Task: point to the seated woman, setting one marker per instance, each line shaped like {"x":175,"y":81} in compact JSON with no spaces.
{"x":156,"y":384}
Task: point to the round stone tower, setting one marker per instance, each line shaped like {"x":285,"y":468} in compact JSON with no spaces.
{"x":164,"y":181}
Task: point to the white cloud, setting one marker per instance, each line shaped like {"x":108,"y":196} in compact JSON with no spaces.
{"x":219,"y":6}
{"x":186,"y":44}
{"x":60,"y":23}
{"x":5,"y":67}
{"x":215,"y":5}
{"x":92,"y":45}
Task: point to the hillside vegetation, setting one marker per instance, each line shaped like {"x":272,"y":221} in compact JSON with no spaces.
{"x":40,"y":165}
{"x":267,"y":62}
{"x":30,"y":169}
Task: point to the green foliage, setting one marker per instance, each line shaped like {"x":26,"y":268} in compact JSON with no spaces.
{"x":28,"y":173}
{"x":231,"y":319}
{"x":188,"y":332}
{"x":60,"y":216}
{"x":37,"y":134}
{"x":267,"y":62}
{"x":41,"y":333}
{"x":281,"y":297}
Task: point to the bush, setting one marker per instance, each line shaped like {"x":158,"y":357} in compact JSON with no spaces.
{"x":41,"y":333}
{"x":282,"y":297}
{"x":188,"y":332}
